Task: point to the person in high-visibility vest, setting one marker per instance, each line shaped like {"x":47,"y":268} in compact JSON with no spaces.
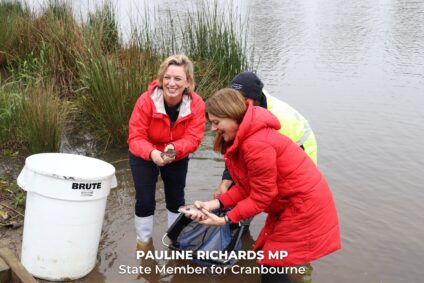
{"x":293,"y":124}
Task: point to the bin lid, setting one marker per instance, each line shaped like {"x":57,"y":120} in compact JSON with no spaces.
{"x":69,"y":166}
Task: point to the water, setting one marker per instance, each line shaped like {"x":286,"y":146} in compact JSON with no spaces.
{"x":355,"y":70}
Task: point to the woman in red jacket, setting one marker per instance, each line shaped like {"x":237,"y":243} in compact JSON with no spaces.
{"x":273,"y":175}
{"x":166,"y":125}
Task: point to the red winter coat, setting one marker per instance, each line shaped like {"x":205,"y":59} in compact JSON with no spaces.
{"x":149,"y":126}
{"x":273,"y":175}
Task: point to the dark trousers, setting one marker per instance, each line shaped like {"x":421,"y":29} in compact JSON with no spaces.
{"x":145,"y":175}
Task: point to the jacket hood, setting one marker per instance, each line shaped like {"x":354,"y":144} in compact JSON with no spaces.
{"x":152,"y":86}
{"x":255,"y":119}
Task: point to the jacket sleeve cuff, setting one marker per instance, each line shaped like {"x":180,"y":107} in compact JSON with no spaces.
{"x":226,"y":201}
{"x":233,"y":216}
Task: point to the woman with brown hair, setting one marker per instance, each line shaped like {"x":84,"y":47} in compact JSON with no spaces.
{"x":272,"y":175}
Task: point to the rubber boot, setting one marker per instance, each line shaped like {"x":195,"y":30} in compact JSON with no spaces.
{"x":144,"y":230}
{"x":172,"y":216}
{"x":151,"y":263}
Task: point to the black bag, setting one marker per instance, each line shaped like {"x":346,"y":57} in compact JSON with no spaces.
{"x":188,"y":235}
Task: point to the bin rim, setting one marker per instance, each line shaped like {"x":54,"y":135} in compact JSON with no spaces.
{"x":30,"y":167}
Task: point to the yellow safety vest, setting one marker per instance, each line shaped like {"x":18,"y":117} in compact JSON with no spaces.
{"x":293,"y":125}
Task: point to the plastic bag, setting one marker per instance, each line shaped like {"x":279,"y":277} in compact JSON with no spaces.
{"x":188,"y":235}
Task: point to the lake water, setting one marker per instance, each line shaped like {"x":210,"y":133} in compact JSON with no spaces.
{"x":355,"y":70}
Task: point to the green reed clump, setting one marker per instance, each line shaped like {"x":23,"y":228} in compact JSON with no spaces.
{"x":157,"y":34}
{"x":112,"y":85}
{"x":13,"y":23}
{"x":9,"y":102}
{"x":41,"y":118}
{"x":102,"y":29}
{"x":57,"y":32}
{"x":8,"y":7}
{"x":87,"y":63}
{"x":215,"y":39}
{"x":52,"y":41}
{"x":59,"y":9}
{"x":31,"y":67}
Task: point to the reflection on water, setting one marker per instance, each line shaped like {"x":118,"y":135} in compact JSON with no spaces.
{"x":355,"y":70}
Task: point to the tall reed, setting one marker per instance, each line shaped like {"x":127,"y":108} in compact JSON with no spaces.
{"x":9,"y":102}
{"x":41,"y":118}
{"x":101,"y":29}
{"x":216,"y":39}
{"x":13,"y":23}
{"x":88,"y":63}
{"x":155,"y":33}
{"x":213,"y":37}
{"x":112,"y":85}
{"x":60,"y":35}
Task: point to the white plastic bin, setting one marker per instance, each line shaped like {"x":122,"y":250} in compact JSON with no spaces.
{"x":65,"y":206}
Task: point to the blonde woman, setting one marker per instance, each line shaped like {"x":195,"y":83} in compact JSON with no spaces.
{"x":166,"y":125}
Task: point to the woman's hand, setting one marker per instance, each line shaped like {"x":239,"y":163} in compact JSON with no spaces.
{"x":192,"y":212}
{"x":169,"y":153}
{"x":212,"y":219}
{"x":197,"y":215}
{"x":155,"y":155}
{"x":207,"y":205}
{"x":202,"y":214}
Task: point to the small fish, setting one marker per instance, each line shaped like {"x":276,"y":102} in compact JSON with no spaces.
{"x":169,"y":153}
{"x":189,"y":209}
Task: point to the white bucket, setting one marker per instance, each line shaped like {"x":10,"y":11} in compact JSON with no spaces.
{"x":65,"y":206}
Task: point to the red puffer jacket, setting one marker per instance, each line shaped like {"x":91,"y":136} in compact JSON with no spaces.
{"x":149,"y":126}
{"x":274,"y":175}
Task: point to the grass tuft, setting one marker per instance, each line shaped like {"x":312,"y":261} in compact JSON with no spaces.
{"x":9,"y":102}
{"x":41,"y":118}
